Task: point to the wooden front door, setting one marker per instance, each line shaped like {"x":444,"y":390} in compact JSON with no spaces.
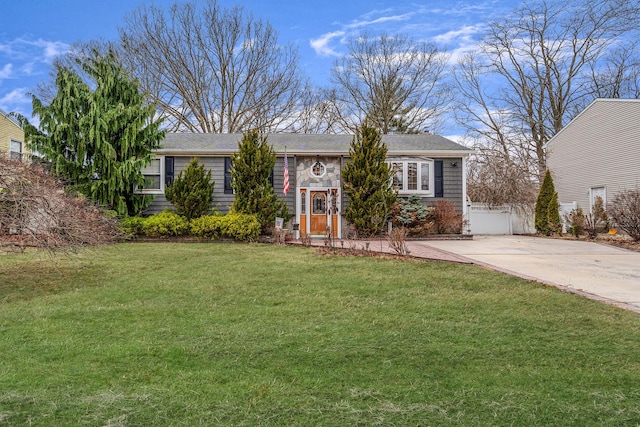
{"x":318,"y":219}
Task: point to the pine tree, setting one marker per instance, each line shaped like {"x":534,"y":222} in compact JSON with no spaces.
{"x":98,"y":140}
{"x":547,"y":190}
{"x":251,"y":168}
{"x":192,"y":191}
{"x":366,"y":182}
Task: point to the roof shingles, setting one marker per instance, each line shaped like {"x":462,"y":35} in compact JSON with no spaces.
{"x":219,"y":144}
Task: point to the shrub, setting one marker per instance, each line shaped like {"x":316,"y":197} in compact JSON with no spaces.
{"x":366,"y":182}
{"x":625,"y":212}
{"x":412,"y":215}
{"x":576,"y":220}
{"x":192,"y":191}
{"x":397,"y":239}
{"x":243,"y":227}
{"x":601,"y":219}
{"x":553,"y":215}
{"x":207,"y":227}
{"x":37,"y":211}
{"x":252,"y":166}
{"x":165,"y":224}
{"x":132,"y":225}
{"x":447,"y":219}
{"x":547,"y":190}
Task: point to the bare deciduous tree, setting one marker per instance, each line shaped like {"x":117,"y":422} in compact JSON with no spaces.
{"x":210,"y":69}
{"x":317,"y":113}
{"x":35,"y":211}
{"x":533,"y":72}
{"x":391,"y":81}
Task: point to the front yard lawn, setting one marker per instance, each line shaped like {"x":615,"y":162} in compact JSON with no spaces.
{"x":152,"y":334}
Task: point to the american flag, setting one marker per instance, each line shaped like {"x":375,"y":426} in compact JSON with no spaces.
{"x":285,"y":185}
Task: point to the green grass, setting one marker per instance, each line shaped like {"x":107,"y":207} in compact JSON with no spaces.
{"x":247,"y":334}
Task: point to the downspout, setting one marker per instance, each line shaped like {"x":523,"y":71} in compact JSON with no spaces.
{"x":465,"y":207}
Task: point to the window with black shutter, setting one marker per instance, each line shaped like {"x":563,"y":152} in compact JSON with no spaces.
{"x":438,"y":167}
{"x":227,"y":176}
{"x":169,"y":165}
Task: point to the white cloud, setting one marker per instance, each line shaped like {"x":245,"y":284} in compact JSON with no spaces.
{"x":464,"y":34}
{"x":380,"y":20}
{"x":16,"y":100}
{"x":6,"y":72}
{"x":321,"y":44}
{"x":40,"y":50}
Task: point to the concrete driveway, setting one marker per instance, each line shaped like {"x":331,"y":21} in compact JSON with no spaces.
{"x":595,"y":270}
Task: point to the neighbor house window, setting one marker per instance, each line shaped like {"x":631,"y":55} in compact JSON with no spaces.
{"x":15,"y":150}
{"x":412,"y":176}
{"x":153,"y":177}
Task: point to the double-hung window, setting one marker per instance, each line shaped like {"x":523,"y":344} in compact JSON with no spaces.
{"x":15,"y":150}
{"x":153,"y":177}
{"x":412,"y":176}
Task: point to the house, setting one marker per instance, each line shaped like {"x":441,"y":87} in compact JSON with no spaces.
{"x":425,"y":164}
{"x":11,"y":137}
{"x":597,"y":153}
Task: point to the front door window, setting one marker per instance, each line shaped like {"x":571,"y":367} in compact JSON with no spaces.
{"x":319,"y":203}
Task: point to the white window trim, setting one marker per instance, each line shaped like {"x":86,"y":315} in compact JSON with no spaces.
{"x":405,"y":175}
{"x":593,"y":194}
{"x":11,"y":152}
{"x":155,"y":190}
{"x":324,"y":169}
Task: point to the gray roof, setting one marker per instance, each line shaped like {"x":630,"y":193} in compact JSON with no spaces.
{"x":307,"y":144}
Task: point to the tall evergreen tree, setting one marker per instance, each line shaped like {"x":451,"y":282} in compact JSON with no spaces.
{"x":366,"y":182}
{"x":251,"y":168}
{"x":547,"y":190}
{"x":553,"y":215}
{"x":99,"y":134}
{"x":192,"y":191}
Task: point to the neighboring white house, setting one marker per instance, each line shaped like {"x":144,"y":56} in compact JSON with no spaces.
{"x":597,"y":153}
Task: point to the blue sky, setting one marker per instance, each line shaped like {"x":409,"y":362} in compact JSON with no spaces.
{"x":33,"y":32}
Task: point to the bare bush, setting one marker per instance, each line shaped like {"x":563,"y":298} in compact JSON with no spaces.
{"x":35,"y":211}
{"x":447,"y":219}
{"x":625,"y":212}
{"x":397,"y":239}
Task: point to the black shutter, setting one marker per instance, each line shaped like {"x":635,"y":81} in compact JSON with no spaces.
{"x":169,"y":166}
{"x":227,"y":176}
{"x":439,"y":178}
{"x":271,"y":178}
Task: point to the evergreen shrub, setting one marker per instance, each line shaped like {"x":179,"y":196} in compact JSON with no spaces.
{"x":132,"y":225}
{"x":547,"y":190}
{"x":192,"y":191}
{"x":165,"y":224}
{"x":238,"y":226}
{"x":411,"y":214}
{"x":553,"y":215}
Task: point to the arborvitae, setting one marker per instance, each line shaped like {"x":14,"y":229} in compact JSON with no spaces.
{"x":366,"y":182}
{"x":192,"y":191}
{"x":553,"y":215}
{"x":251,"y":168}
{"x":545,"y":195}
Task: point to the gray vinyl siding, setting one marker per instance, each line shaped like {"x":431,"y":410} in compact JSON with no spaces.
{"x":599,"y":148}
{"x":221,"y":201}
{"x":452,"y":183}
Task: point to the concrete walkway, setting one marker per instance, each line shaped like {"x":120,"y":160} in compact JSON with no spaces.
{"x":597,"y":271}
